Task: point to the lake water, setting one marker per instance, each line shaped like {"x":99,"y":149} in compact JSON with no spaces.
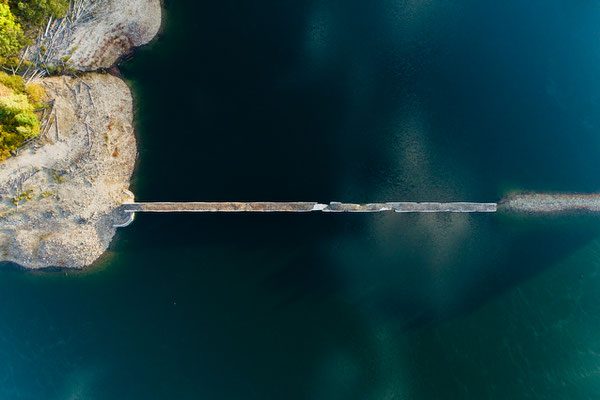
{"x":347,"y":100}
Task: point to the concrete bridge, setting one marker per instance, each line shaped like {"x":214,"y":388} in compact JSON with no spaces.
{"x":303,"y":207}
{"x":406,"y":207}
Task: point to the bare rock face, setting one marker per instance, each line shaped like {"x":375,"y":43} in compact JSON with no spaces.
{"x":114,"y":28}
{"x":59,"y":200}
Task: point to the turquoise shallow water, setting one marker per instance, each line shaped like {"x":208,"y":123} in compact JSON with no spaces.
{"x":349,"y":101}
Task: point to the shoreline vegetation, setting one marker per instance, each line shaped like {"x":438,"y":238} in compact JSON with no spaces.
{"x":21,"y":105}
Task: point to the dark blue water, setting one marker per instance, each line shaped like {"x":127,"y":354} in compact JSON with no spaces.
{"x":353,"y":101}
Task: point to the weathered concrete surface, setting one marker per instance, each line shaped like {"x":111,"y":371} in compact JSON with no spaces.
{"x":401,"y":207}
{"x":551,"y":203}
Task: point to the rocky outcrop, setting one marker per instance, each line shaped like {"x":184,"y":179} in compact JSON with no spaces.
{"x":94,"y":35}
{"x":59,"y":199}
{"x":114,"y":29}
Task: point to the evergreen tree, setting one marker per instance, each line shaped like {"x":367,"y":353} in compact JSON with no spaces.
{"x":33,"y":13}
{"x":11,"y":34}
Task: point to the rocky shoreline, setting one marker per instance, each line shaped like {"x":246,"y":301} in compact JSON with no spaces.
{"x":99,"y":34}
{"x":60,"y":198}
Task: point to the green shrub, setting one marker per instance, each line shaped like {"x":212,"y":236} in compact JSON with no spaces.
{"x":18,"y":121}
{"x":15,"y":82}
{"x":58,"y":178}
{"x":26,"y":119}
{"x":11,"y":34}
{"x":13,"y":105}
{"x":35,"y":92}
{"x":34,"y":13}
